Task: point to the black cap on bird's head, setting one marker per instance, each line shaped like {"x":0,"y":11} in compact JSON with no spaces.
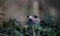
{"x":35,"y":16}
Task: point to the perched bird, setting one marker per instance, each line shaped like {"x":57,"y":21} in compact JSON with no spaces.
{"x":34,"y":19}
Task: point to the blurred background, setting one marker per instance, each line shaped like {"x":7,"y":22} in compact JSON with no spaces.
{"x":20,"y":9}
{"x":14,"y":20}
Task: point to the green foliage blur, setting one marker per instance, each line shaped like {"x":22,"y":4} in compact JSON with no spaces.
{"x":12,"y":27}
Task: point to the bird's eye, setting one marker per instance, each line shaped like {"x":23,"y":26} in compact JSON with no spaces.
{"x":35,"y":17}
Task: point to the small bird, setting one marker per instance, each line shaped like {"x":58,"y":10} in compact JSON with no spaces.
{"x":34,"y":19}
